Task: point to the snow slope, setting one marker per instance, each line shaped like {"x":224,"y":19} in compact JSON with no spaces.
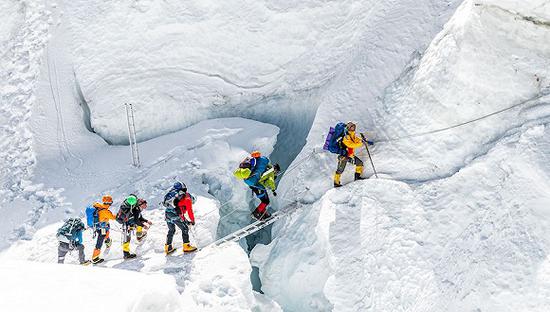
{"x":459,"y":222}
{"x":386,"y":245}
{"x":202,"y":156}
{"x":206,"y":280}
{"x":31,"y":286}
{"x":24,"y":27}
{"x":451,"y":203}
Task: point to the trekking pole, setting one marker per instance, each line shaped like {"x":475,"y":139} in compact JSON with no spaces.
{"x":368,"y":152}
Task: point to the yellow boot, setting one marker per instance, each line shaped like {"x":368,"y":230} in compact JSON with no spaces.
{"x":126,"y":251}
{"x":337,"y":180}
{"x":358,"y":172}
{"x":188,"y":247}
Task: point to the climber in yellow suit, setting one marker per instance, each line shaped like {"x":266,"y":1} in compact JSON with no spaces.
{"x":350,"y":141}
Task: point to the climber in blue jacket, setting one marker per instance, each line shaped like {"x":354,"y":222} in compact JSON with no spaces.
{"x":251,"y":171}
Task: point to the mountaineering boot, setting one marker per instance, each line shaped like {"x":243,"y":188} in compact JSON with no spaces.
{"x":140,"y":235}
{"x":266,"y":215}
{"x":358,"y":171}
{"x":168,"y":249}
{"x":86,"y":262}
{"x":128,"y":255}
{"x":95,"y":257}
{"x":256,"y":215}
{"x":188,"y":247}
{"x":337,"y":180}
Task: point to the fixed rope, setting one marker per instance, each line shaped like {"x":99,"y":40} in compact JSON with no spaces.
{"x":538,"y":96}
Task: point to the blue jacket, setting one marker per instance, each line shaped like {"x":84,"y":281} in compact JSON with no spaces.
{"x":259,"y":166}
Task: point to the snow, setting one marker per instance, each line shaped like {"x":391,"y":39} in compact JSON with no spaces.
{"x":206,"y":59}
{"x":11,"y":18}
{"x":203,"y":156}
{"x":23,"y":36}
{"x":202,"y":281}
{"x":31,"y":286}
{"x":461,"y":226}
{"x":458,"y":220}
{"x":386,"y":245}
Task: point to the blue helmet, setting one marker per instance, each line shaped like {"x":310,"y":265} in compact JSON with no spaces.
{"x":178,"y":186}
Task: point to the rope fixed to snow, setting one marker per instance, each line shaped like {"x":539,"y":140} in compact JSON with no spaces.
{"x":414,"y":135}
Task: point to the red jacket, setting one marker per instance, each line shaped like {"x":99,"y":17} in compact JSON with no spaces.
{"x":184,"y":206}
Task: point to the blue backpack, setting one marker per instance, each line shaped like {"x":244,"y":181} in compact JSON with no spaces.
{"x":333,"y":142}
{"x":92,"y":216}
{"x":169,"y":198}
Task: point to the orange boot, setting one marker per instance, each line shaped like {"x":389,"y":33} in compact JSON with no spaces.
{"x":95,"y":257}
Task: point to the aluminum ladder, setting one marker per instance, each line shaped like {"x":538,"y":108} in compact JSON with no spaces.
{"x":253,"y":227}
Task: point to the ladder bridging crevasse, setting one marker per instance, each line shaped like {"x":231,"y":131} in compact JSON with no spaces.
{"x":132,"y":140}
{"x":253,"y":227}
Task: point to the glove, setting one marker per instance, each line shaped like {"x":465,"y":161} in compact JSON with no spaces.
{"x":351,"y":160}
{"x":274,"y":193}
{"x":370,"y":142}
{"x":192,"y":222}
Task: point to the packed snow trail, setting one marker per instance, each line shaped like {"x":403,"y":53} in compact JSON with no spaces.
{"x":205,"y":280}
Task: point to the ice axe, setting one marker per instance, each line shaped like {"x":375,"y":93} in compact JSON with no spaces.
{"x":368,"y":152}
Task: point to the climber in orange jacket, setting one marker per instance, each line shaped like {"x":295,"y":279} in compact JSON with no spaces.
{"x":102,"y":226}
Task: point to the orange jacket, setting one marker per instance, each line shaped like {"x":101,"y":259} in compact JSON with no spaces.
{"x":351,"y":142}
{"x":103,"y":212}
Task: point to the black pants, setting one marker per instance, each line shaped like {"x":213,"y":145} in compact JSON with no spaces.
{"x":261,"y":194}
{"x":101,"y":238}
{"x":343,"y":160}
{"x":172,"y":230}
{"x":64,"y":248}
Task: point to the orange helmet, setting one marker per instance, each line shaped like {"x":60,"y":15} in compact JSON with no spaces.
{"x":107,"y":199}
{"x":255,"y":154}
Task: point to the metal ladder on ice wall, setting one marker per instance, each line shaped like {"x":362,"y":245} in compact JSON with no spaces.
{"x":253,"y":227}
{"x":132,"y":140}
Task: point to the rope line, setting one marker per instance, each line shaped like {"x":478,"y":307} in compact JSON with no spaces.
{"x":538,"y":96}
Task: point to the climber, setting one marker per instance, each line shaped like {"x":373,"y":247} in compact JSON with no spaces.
{"x":179,"y":212}
{"x":348,"y":143}
{"x":100,"y":215}
{"x":70,"y":238}
{"x":259,"y":175}
{"x":129,"y":215}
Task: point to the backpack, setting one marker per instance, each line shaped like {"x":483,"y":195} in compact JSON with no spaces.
{"x":66,"y":233}
{"x":169,"y":198}
{"x":123,"y":215}
{"x":92,"y":216}
{"x":246,"y":163}
{"x":333,"y":142}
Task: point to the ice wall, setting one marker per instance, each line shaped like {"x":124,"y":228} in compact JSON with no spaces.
{"x":182,"y":62}
{"x":488,"y":57}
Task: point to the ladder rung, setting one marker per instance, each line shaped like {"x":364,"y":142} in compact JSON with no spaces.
{"x":252,"y":228}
